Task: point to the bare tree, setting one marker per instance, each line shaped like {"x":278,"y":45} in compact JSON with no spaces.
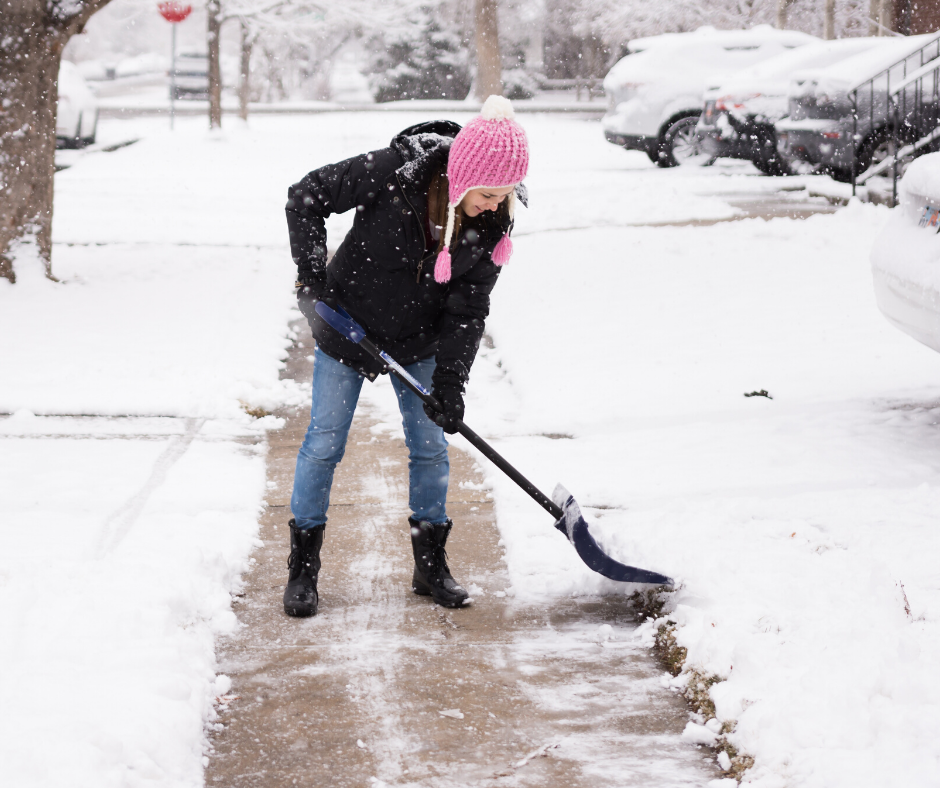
{"x":32,"y":36}
{"x":829,"y":20}
{"x":489,"y":79}
{"x":328,"y":23}
{"x":214,"y":39}
{"x":244,"y":83}
{"x":886,"y":17}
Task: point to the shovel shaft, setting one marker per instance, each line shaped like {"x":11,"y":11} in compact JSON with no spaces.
{"x":568,"y":518}
{"x":488,"y":451}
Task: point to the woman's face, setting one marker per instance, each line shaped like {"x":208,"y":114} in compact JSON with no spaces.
{"x":476,"y":201}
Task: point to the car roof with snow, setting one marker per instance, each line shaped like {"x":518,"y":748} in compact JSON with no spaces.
{"x":772,"y":76}
{"x":706,"y":53}
{"x":847,"y":73}
{"x":754,"y":37}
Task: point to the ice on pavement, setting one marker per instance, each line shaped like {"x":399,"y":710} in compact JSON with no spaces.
{"x":802,"y":530}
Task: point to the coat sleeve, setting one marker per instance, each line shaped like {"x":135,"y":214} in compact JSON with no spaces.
{"x":465,"y":310}
{"x":335,"y":188}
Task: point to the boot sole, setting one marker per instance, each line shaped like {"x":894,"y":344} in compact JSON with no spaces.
{"x":300,"y":610}
{"x":424,"y":591}
{"x":299,"y":613}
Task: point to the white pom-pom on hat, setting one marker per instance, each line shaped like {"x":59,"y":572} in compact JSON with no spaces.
{"x":497,"y":108}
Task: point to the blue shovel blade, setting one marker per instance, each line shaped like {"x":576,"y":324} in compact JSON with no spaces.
{"x":574,"y":526}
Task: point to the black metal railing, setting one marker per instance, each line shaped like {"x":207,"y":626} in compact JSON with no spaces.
{"x":882,"y":113}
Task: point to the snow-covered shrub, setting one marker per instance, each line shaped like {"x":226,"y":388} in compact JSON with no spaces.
{"x":518,"y":84}
{"x":422,"y":61}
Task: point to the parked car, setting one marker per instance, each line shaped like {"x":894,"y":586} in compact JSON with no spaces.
{"x":655,"y":92}
{"x":738,"y":118}
{"x":76,"y":122}
{"x":905,"y":259}
{"x":190,"y":80}
{"x":819,"y":128}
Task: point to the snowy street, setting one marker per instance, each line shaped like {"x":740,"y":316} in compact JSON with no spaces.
{"x":640,"y":307}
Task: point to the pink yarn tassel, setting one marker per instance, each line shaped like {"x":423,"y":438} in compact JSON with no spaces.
{"x":442,"y":267}
{"x":503,"y":251}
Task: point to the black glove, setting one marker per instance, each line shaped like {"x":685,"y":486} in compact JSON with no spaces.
{"x":311,"y":288}
{"x":450,"y":395}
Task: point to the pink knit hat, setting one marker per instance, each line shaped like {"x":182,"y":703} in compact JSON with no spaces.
{"x":491,"y":151}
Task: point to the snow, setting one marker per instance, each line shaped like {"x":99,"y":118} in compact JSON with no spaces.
{"x":757,"y":35}
{"x":116,"y":564}
{"x":130,"y":475}
{"x":851,"y":72}
{"x":762,"y":88}
{"x":905,"y":255}
{"x":801,"y":530}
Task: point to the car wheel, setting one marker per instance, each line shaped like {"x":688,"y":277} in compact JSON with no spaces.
{"x":771,"y":166}
{"x":681,"y":145}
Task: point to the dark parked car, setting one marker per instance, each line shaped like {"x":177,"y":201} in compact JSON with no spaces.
{"x":738,"y":118}
{"x":819,"y":129}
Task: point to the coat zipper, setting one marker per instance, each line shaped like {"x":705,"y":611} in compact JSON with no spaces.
{"x":424,"y":246}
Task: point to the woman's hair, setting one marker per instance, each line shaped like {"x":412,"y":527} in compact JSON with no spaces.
{"x":437,"y":207}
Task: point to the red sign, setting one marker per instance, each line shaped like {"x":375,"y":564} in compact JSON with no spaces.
{"x":173,"y":11}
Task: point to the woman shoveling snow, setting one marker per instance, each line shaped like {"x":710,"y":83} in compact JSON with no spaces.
{"x":433,"y":215}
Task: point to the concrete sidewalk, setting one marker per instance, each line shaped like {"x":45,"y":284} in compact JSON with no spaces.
{"x":383,"y":687}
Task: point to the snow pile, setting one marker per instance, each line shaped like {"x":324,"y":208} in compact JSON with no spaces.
{"x":147,"y":330}
{"x":800,"y":528}
{"x":175,"y":289}
{"x":124,"y":534}
{"x":906,"y":254}
{"x":117,"y":560}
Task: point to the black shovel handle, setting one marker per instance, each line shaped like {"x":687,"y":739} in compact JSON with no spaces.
{"x":342,"y":322}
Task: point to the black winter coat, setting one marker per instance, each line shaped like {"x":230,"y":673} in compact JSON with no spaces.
{"x":383,"y":272}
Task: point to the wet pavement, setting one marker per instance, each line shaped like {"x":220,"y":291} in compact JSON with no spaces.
{"x":383,"y":687}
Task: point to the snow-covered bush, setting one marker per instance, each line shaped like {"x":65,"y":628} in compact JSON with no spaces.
{"x":518,"y":84}
{"x":422,"y":61}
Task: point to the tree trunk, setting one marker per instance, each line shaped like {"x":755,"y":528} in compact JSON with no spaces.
{"x":489,"y":79}
{"x":244,"y":85}
{"x":33,"y":33}
{"x":829,"y":20}
{"x":782,"y":6}
{"x":213,"y":36}
{"x":886,"y":17}
{"x":874,"y":12}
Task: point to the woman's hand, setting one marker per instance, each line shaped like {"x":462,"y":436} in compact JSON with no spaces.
{"x":313,"y":289}
{"x":450,"y":395}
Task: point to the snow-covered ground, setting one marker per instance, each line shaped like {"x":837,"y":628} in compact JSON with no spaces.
{"x":800,"y":528}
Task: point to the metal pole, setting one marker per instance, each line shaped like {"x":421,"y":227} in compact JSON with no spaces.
{"x":854,"y":95}
{"x":172,"y":75}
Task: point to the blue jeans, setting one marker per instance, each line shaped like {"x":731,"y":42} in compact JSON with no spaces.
{"x":336,"y":390}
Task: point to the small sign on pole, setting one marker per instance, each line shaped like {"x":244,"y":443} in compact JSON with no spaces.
{"x":174,"y":12}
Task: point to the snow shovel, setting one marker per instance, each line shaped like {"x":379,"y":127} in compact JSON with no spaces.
{"x":563,"y":507}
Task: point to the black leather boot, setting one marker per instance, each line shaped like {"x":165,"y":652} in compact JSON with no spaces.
{"x":300,"y":596}
{"x":432,"y":576}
